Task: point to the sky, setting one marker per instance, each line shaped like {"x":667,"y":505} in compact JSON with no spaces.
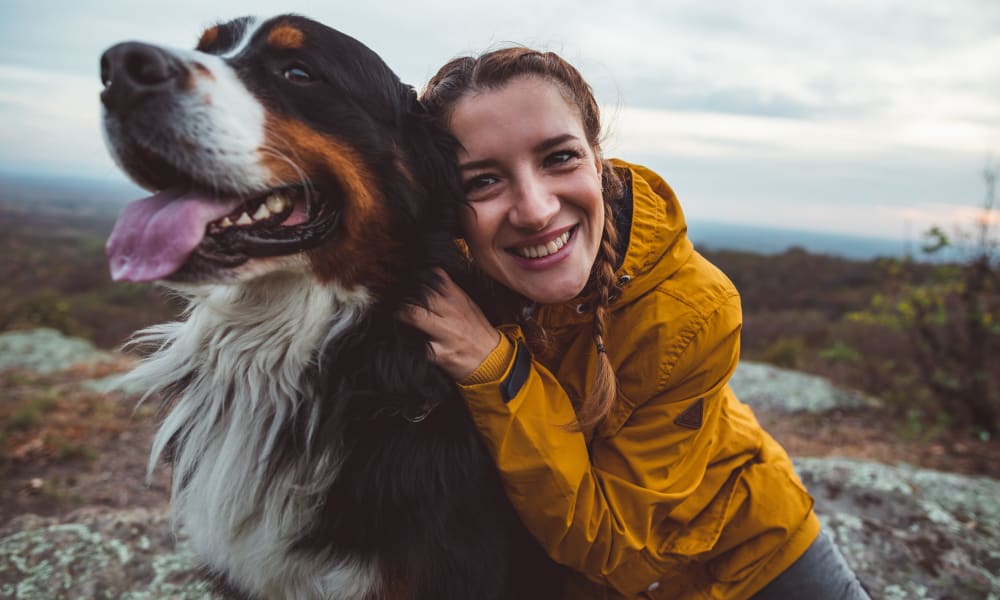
{"x":849,"y":116}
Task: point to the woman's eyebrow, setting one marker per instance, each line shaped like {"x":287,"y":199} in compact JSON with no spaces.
{"x":540,"y":147}
{"x":553,"y":141}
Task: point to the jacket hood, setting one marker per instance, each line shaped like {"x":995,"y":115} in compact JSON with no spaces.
{"x":657,"y":243}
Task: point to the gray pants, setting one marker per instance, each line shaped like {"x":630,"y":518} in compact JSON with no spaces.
{"x":819,"y":574}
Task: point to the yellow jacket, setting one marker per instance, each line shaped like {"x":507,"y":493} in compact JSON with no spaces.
{"x":679,"y":493}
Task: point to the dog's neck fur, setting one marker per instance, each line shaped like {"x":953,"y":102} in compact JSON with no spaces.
{"x":240,"y":354}
{"x":232,"y":372}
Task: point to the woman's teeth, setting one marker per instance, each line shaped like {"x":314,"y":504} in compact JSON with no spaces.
{"x":544,"y":250}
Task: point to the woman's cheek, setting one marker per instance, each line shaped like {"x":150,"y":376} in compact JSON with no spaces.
{"x":468,"y":220}
{"x":479,"y":222}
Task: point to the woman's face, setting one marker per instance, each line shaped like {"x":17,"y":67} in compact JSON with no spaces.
{"x":533,"y":183}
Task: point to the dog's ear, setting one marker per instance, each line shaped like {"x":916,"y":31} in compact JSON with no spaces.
{"x":433,"y":160}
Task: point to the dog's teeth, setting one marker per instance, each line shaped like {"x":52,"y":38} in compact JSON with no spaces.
{"x":226,"y":222}
{"x":276,"y":203}
{"x":262,"y":213}
{"x":244,"y":220}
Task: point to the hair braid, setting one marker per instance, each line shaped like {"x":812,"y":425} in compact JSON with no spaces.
{"x":605,"y":386}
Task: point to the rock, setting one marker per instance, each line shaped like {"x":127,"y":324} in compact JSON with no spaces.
{"x":910,"y":533}
{"x":47,"y":351}
{"x":771,"y":389}
{"x":97,"y":553}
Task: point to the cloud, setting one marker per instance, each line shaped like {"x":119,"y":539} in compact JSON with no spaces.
{"x":811,"y":59}
{"x":49,"y":121}
{"x":715,"y":135}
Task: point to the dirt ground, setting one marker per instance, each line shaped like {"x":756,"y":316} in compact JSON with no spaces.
{"x":876,"y":435}
{"x":64,"y":447}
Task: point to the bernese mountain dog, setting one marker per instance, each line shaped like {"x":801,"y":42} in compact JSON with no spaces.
{"x":301,"y":197}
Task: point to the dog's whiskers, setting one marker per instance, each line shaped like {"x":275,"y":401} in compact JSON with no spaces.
{"x":274,"y":149}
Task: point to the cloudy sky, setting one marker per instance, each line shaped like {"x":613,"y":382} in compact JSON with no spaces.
{"x":875,"y":118}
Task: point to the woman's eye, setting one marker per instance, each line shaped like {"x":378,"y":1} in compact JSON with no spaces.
{"x":560,"y":157}
{"x":297,"y":75}
{"x":478,"y":182}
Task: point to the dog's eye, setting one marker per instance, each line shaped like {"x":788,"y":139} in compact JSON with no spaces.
{"x":297,"y":75}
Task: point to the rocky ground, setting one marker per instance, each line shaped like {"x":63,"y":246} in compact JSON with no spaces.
{"x":916,"y":516}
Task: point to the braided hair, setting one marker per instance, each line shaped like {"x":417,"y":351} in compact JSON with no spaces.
{"x":492,"y":71}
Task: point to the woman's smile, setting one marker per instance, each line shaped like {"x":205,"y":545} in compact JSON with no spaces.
{"x":543,"y":253}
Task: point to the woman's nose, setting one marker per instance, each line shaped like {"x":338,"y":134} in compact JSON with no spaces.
{"x":535,"y":205}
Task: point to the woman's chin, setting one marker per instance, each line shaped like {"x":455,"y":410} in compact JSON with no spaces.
{"x":550,"y":290}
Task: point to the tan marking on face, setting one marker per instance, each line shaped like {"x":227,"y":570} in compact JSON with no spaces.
{"x":362,"y":234}
{"x":285,"y":37}
{"x":208,"y":38}
{"x":188,"y":80}
{"x":203,"y":71}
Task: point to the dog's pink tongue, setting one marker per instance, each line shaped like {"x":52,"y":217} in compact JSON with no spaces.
{"x":154,"y":236}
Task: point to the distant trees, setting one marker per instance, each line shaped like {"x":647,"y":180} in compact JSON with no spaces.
{"x":54,"y":274}
{"x":953,"y":318}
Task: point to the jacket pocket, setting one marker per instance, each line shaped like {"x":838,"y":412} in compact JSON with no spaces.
{"x":774,"y":507}
{"x":699,"y":535}
{"x":685,"y":547}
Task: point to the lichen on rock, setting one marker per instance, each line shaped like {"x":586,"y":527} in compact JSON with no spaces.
{"x":97,"y":553}
{"x":909,"y":532}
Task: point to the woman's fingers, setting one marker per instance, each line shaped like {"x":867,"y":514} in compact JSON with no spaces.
{"x":460,"y":335}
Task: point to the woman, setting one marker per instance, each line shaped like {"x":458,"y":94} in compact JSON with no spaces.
{"x":604,"y":401}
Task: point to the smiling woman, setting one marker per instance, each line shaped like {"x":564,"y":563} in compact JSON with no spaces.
{"x":603,"y":392}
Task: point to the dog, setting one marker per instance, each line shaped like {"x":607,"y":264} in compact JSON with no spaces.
{"x":302,"y":197}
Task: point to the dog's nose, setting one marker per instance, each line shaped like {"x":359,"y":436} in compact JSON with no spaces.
{"x":132,"y":71}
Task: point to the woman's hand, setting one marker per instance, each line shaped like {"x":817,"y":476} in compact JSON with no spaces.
{"x":461,"y":337}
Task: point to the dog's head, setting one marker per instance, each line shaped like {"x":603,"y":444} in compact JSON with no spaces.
{"x":274,"y":145}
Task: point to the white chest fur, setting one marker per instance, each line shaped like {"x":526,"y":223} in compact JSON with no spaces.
{"x":240,"y":357}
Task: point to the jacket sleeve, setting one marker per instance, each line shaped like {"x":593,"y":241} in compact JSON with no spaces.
{"x":614,"y":508}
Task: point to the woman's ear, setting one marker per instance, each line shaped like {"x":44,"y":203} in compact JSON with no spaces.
{"x":599,"y":160}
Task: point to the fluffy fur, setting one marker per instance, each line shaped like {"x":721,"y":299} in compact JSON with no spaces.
{"x":316,"y":452}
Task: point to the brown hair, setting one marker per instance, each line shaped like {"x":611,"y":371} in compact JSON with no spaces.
{"x":493,"y":70}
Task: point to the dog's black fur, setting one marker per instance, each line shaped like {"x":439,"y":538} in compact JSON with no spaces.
{"x":415,"y":494}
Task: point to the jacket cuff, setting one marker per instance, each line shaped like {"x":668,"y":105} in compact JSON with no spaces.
{"x":493,"y":366}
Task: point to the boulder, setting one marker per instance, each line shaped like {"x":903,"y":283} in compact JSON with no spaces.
{"x":770,"y":389}
{"x":47,"y":351}
{"x":910,"y":533}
